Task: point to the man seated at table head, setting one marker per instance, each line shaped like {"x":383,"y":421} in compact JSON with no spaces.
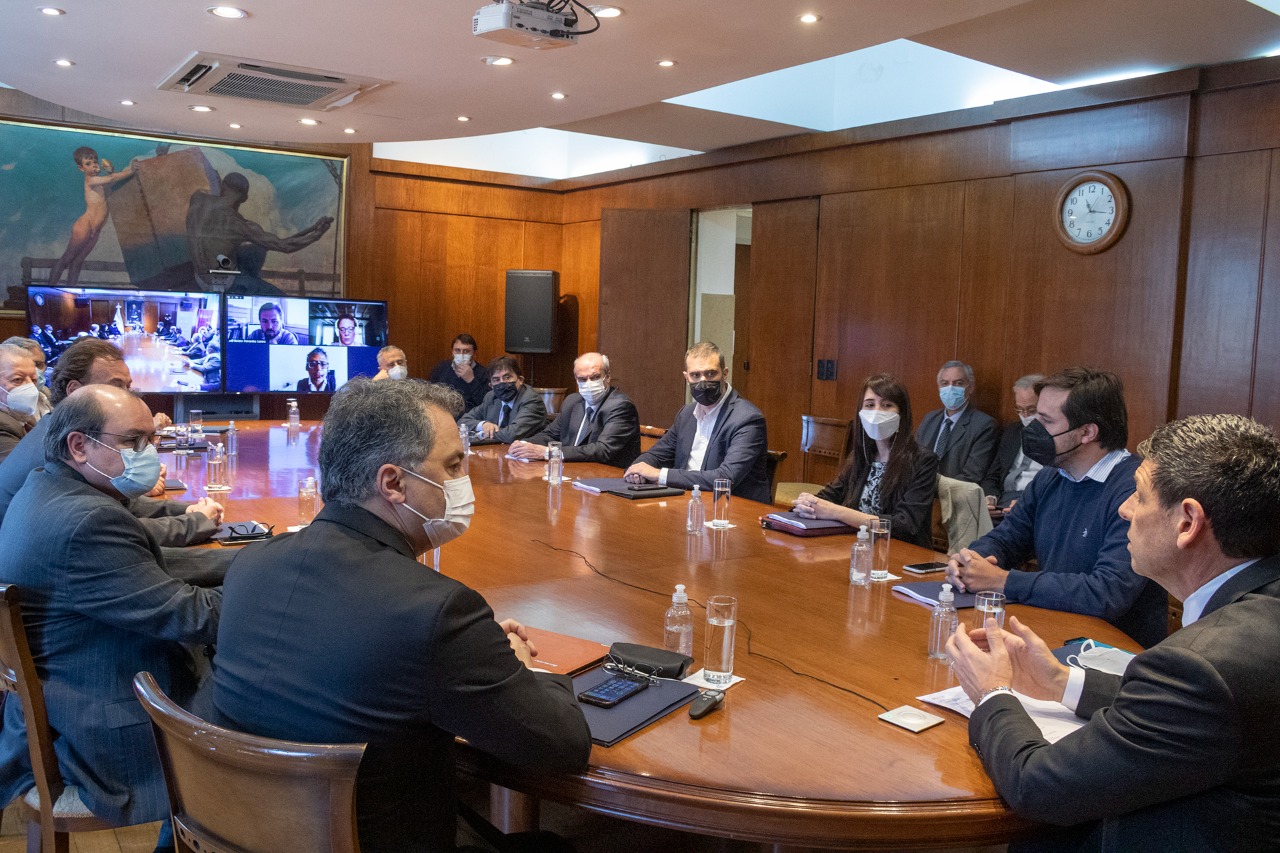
{"x":19,"y":396}
{"x":270,"y":323}
{"x":99,"y":606}
{"x":418,"y":658}
{"x":346,"y":330}
{"x":511,"y":410}
{"x":963,"y":438}
{"x":173,"y":523}
{"x":462,"y":372}
{"x":1068,"y":519}
{"x":40,"y":359}
{"x":597,"y":424}
{"x":719,"y":435}
{"x":319,"y":376}
{"x":1180,"y":752}
{"x":1012,"y":470}
{"x":392,"y":364}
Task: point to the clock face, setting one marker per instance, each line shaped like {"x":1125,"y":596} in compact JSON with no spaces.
{"x":1089,"y":212}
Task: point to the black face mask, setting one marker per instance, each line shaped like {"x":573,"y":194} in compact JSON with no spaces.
{"x":1038,"y":444}
{"x":707,"y":392}
{"x":505,"y":391}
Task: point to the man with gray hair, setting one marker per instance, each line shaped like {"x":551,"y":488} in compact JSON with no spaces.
{"x":963,"y":438}
{"x":597,"y":424}
{"x":392,"y":364}
{"x":40,"y":359}
{"x":99,"y":605}
{"x":1012,"y":470}
{"x":19,"y":396}
{"x":1180,"y":752}
{"x":312,"y":620}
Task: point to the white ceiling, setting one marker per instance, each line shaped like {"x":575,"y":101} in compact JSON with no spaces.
{"x":124,"y":48}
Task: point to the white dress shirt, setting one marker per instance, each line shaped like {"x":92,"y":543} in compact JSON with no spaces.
{"x":707,"y":417}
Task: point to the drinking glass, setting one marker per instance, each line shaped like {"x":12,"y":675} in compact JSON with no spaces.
{"x":196,"y":422}
{"x":216,"y":465}
{"x":720,"y":504}
{"x":880,"y":548}
{"x":722,"y":626}
{"x":182,"y":439}
{"x":988,"y":604}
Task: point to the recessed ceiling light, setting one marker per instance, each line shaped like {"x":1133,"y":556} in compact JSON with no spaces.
{"x":559,"y":96}
{"x":309,"y":122}
{"x":348,"y":130}
{"x":200,"y":108}
{"x":63,"y":63}
{"x":666,"y":63}
{"x":51,"y":11}
{"x":227,"y":12}
{"x":497,"y":60}
{"x":464,"y":118}
{"x":234,"y":126}
{"x":810,"y":18}
{"x":126,"y":103}
{"x":606,"y":11}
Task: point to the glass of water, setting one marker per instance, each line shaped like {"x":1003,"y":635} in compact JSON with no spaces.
{"x":196,"y":421}
{"x":722,"y":627}
{"x":880,"y":537}
{"x":182,"y":439}
{"x":988,"y":604}
{"x":216,"y":466}
{"x":720,"y":504}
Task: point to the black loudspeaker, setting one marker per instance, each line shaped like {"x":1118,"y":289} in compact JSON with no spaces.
{"x":532,"y":296}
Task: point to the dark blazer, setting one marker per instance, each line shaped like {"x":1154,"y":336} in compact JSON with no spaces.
{"x":737,"y":450}
{"x":304,"y":385}
{"x":13,"y":428}
{"x":1001,"y":462}
{"x":528,"y":415}
{"x":418,"y":659}
{"x":472,"y":392}
{"x":99,"y":607}
{"x":612,"y":437}
{"x":911,"y":509}
{"x":973,"y":443}
{"x":1180,"y":754}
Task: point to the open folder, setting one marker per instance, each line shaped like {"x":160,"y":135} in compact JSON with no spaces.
{"x":610,"y":725}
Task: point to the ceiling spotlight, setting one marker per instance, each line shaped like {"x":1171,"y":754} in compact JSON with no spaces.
{"x":227,"y":12}
{"x":234,"y":126}
{"x":200,"y":108}
{"x":497,"y":60}
{"x":51,"y":12}
{"x":126,"y":103}
{"x":464,"y":118}
{"x":606,"y":11}
{"x":558,"y":96}
{"x":348,"y":130}
{"x":666,"y":63}
{"x":63,"y":63}
{"x":810,"y":18}
{"x":309,"y":122}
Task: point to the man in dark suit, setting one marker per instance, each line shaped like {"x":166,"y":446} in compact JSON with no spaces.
{"x":419,"y":658}
{"x":1180,"y":753}
{"x":511,"y":410}
{"x":319,"y":376}
{"x":99,"y":606}
{"x":1012,"y":470}
{"x":19,"y":396}
{"x":719,"y":435}
{"x":462,"y":373}
{"x":963,"y":439}
{"x":598,"y":424}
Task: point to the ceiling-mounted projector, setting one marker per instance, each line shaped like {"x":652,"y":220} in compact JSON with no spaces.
{"x":524,"y":25}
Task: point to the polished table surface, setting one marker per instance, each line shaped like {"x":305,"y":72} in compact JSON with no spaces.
{"x":797,"y":755}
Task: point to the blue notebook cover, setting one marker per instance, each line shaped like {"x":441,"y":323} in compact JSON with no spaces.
{"x":610,"y":725}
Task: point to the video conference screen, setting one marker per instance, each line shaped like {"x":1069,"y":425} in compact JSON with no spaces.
{"x":170,"y":340}
{"x":301,"y":346}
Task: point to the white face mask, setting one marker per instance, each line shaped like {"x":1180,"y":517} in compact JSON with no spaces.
{"x":592,"y":391}
{"x":1101,"y":658}
{"x":459,"y":506}
{"x":398,"y":372}
{"x":879,"y":424}
{"x":24,"y":399}
{"x":461,"y":358}
{"x":1026,"y":419}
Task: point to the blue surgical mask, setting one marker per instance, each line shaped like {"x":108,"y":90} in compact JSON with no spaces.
{"x":952,"y":397}
{"x":141,"y":470}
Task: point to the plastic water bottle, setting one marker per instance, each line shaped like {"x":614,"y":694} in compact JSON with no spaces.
{"x":942,"y":624}
{"x":694,"y":523}
{"x":677,"y":625}
{"x":555,"y":464}
{"x":233,"y":440}
{"x":295,"y":417}
{"x":465,"y":435}
{"x":860,"y":559}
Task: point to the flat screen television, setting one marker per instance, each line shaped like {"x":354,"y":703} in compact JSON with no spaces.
{"x":300,"y":346}
{"x":170,"y":339}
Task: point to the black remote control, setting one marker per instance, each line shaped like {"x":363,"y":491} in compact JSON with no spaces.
{"x":706,"y":703}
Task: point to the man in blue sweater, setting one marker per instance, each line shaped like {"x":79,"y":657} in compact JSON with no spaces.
{"x":1068,"y":519}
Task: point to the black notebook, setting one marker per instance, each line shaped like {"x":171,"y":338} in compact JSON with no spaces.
{"x":623,"y":489}
{"x":610,"y":725}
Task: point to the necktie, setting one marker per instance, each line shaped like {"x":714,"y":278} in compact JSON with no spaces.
{"x":582,"y":429}
{"x":506,"y":416}
{"x":944,"y":438}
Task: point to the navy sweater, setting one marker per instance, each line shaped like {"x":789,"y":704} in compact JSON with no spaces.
{"x":1074,"y":530}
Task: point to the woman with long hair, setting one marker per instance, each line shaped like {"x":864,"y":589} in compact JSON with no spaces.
{"x":886,"y":472}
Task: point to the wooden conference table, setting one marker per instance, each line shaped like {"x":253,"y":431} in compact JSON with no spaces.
{"x":797,"y":756}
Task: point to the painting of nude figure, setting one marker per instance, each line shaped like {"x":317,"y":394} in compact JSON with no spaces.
{"x":82,"y":208}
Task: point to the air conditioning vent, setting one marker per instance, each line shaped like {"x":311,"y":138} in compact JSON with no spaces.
{"x":254,"y":80}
